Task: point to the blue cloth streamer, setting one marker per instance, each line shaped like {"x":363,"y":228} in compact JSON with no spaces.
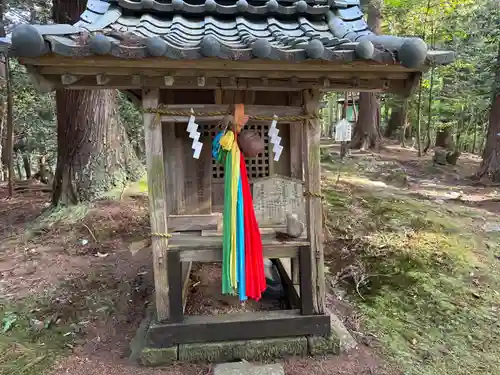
{"x":240,"y":244}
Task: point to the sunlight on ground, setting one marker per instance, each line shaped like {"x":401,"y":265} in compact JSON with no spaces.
{"x":425,"y":275}
{"x":133,"y":189}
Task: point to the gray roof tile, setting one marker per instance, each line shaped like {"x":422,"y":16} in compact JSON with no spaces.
{"x":289,"y":30}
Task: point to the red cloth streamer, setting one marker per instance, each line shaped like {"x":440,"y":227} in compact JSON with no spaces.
{"x":254,"y":258}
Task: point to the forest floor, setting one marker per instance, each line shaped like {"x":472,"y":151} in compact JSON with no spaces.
{"x":412,"y":253}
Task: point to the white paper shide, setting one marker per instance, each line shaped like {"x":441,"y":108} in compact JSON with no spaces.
{"x":275,"y":139}
{"x":194,"y":134}
{"x":343,"y":131}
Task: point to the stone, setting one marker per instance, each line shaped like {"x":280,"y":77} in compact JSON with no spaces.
{"x":412,"y":53}
{"x":339,"y":340}
{"x":138,"y":342}
{"x":251,"y":350}
{"x":440,"y":156}
{"x":275,"y":197}
{"x":158,"y":357}
{"x":245,"y":368}
{"x":294,"y":227}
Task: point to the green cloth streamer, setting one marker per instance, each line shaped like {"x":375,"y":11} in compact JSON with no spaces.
{"x":226,"y":236}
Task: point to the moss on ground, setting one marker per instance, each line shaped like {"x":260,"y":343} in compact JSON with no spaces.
{"x":424,"y":275}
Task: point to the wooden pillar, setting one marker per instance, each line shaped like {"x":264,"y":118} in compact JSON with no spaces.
{"x":157,"y":193}
{"x":312,"y":187}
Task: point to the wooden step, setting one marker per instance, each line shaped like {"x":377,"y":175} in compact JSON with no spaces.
{"x":197,"y":248}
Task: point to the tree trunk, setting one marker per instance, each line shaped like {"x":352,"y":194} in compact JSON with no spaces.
{"x":490,"y":166}
{"x":330,"y":115}
{"x":18,"y":169}
{"x":444,"y":138}
{"x":474,"y":139}
{"x":9,"y":144}
{"x":27,"y":165}
{"x":94,"y":153}
{"x":397,"y":120}
{"x":367,"y":129}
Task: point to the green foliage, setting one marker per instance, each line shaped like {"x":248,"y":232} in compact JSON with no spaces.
{"x":35,"y":119}
{"x":424,"y":275}
{"x":34,"y":116}
{"x":461,"y":92}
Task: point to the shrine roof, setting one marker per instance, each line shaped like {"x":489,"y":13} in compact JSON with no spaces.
{"x":287,"y":30}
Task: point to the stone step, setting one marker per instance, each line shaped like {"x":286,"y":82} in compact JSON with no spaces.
{"x":245,"y":368}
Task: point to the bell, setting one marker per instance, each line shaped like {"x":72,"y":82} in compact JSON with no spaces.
{"x":250,"y":143}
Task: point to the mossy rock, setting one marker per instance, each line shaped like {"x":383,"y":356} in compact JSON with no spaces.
{"x":158,"y":357}
{"x":251,"y":350}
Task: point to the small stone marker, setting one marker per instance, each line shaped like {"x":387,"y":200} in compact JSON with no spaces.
{"x":275,"y":197}
{"x":245,"y":368}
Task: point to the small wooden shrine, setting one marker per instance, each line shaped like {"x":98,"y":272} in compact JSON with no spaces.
{"x":193,"y":63}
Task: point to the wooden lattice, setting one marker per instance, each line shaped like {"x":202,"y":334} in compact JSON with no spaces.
{"x":257,"y":167}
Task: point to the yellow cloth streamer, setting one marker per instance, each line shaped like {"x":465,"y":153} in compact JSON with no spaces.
{"x":227,"y":140}
{"x":235,"y":176}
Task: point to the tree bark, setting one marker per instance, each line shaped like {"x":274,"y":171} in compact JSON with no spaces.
{"x":397,"y":120}
{"x":27,"y":165}
{"x":429,"y":114}
{"x":93,"y":150}
{"x":94,"y":153}
{"x":367,"y":129}
{"x":444,"y":138}
{"x":490,"y":166}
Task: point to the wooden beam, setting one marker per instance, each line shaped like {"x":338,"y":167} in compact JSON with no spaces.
{"x":238,"y":326}
{"x":157,"y":193}
{"x":251,"y":110}
{"x":306,"y":287}
{"x":187,"y":223}
{"x":183,"y":241}
{"x":263,"y":76}
{"x":129,"y":82}
{"x":207,"y":64}
{"x":186,"y":272}
{"x":291,"y":289}
{"x":215,"y":255}
{"x":68,"y":79}
{"x":175,"y":284}
{"x":314,"y":209}
{"x":103,"y":79}
{"x":169,"y":80}
{"x":411,"y":85}
{"x":41,"y":83}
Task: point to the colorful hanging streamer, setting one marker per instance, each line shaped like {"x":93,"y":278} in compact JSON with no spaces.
{"x":242,"y":259}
